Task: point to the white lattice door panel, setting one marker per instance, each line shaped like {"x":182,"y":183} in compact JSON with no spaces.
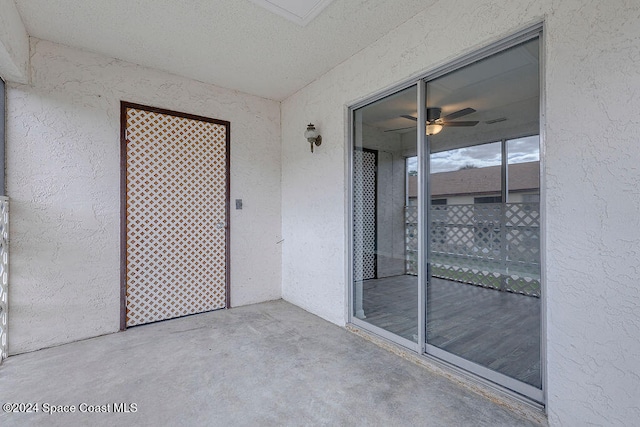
{"x":176,"y":215}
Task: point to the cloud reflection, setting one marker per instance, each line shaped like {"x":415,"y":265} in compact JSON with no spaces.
{"x":520,"y":150}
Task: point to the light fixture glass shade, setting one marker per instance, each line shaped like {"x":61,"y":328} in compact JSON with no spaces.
{"x":311,"y":132}
{"x":433,"y":129}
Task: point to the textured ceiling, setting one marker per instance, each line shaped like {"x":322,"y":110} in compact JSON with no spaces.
{"x":230,"y":43}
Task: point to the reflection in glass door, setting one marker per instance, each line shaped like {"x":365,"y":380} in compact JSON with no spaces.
{"x":385,"y":283}
{"x":446,"y":218}
{"x":483,"y":293}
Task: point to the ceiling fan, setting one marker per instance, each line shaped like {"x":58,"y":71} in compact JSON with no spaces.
{"x":435,"y":123}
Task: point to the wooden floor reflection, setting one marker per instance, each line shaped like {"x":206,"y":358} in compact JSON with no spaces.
{"x":499,"y":330}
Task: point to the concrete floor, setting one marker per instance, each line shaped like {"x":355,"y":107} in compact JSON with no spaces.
{"x":261,"y":365}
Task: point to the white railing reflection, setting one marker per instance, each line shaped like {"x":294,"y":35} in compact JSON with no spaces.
{"x":494,"y":245}
{"x":4,"y":275}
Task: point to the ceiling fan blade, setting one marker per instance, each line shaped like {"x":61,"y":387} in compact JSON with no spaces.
{"x":469,"y":123}
{"x":394,"y":130}
{"x":458,"y":113}
{"x":406,"y":116}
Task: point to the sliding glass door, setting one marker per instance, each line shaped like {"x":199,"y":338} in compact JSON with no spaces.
{"x":446,"y":217}
{"x":385,"y":284}
{"x":483,"y":307}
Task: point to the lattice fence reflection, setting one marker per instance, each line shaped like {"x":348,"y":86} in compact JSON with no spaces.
{"x":493,"y":245}
{"x":364,"y":214}
{"x":411,"y":239}
{"x":4,"y":275}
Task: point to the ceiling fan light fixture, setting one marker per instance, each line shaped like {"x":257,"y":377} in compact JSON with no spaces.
{"x":433,"y":129}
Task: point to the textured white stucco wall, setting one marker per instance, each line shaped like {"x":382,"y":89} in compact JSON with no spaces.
{"x":591,"y":183}
{"x":63,"y":179}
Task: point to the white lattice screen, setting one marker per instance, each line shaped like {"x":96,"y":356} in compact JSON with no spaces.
{"x":175,"y":215}
{"x":364,"y":214}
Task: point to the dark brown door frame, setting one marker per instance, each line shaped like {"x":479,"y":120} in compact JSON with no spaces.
{"x":123,"y":198}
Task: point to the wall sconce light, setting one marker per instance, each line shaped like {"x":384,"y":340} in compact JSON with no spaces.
{"x":312,"y":136}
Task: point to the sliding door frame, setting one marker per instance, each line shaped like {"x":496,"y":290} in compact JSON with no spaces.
{"x":474,"y":372}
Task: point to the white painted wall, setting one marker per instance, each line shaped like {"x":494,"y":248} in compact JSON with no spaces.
{"x":390,"y":247}
{"x":590,"y":183}
{"x":391,"y":198}
{"x":14,"y":44}
{"x":63,"y":179}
